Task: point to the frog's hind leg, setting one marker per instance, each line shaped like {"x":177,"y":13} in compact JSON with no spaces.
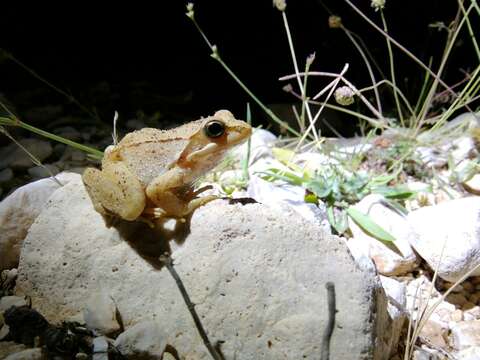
{"x":115,"y":190}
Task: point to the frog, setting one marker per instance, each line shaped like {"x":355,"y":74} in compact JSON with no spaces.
{"x":150,"y":174}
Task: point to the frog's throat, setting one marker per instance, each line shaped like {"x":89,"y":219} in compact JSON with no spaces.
{"x":206,"y":150}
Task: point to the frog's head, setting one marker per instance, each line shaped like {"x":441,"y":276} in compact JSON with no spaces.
{"x":213,"y":136}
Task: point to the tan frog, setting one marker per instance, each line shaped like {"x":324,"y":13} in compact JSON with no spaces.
{"x":150,"y":172}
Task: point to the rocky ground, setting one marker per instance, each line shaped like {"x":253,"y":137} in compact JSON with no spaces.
{"x":257,"y":273}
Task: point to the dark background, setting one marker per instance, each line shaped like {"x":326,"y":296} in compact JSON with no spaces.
{"x":148,"y":56}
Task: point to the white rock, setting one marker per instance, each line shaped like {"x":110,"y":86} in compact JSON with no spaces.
{"x":283,"y":196}
{"x":4,"y":329}
{"x":448,"y":233}
{"x":28,"y":354}
{"x":100,"y":313}
{"x":472,"y":185}
{"x":15,"y":157}
{"x":388,"y":261}
{"x":256,"y":275}
{"x":147,"y":339}
{"x":471,"y":353}
{"x":17,"y":213}
{"x":465,"y":334}
{"x":100,"y":348}
{"x":397,"y":301}
{"x":7,"y":302}
{"x":425,"y":353}
{"x":261,"y":143}
{"x":9,"y":347}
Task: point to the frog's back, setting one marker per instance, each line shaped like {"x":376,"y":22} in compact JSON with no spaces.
{"x":150,"y":152}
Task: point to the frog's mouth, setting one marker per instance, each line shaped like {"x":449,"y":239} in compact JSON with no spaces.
{"x":203,"y":152}
{"x":233,"y":138}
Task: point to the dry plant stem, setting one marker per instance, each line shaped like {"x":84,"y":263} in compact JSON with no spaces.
{"x":16,"y":122}
{"x":327,"y":334}
{"x":469,"y":25}
{"x":215,"y":55}
{"x":433,"y":88}
{"x":167,"y":260}
{"x":394,"y":88}
{"x":352,"y":87}
{"x":295,"y":65}
{"x":369,"y":68}
{"x":333,"y":84}
{"x":401,"y":47}
{"x":392,"y":70}
{"x":60,"y":91}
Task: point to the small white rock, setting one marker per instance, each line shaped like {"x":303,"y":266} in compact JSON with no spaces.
{"x":473,"y":184}
{"x":448,"y":236}
{"x":388,"y":262}
{"x":100,"y":348}
{"x":7,"y":302}
{"x":100,"y":313}
{"x":146,"y":338}
{"x":465,"y":334}
{"x":28,"y":354}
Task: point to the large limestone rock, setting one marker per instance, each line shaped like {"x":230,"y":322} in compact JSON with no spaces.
{"x":256,"y":275}
{"x":19,"y":210}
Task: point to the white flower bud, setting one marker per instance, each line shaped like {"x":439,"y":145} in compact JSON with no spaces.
{"x":344,"y":96}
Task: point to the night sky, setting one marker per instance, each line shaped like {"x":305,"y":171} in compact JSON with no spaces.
{"x":154,"y":47}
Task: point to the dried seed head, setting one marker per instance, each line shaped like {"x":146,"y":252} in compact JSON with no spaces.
{"x":287,"y":88}
{"x":280,"y":4}
{"x":334,"y":22}
{"x":344,"y":96}
{"x":190,"y":13}
{"x":378,"y":4}
{"x":310,"y":59}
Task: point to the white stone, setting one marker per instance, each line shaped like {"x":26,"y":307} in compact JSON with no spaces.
{"x":283,"y":196}
{"x":7,"y":302}
{"x":425,"y":353}
{"x":449,"y":236}
{"x":147,"y":339}
{"x":397,"y":301}
{"x":15,"y":157}
{"x":261,"y":143}
{"x":28,"y":354}
{"x":100,"y":313}
{"x":470,"y":353}
{"x":256,"y":275}
{"x":387,"y":261}
{"x":9,"y":347}
{"x":17,"y":213}
{"x":472,"y":185}
{"x":465,"y":334}
{"x":100,"y":348}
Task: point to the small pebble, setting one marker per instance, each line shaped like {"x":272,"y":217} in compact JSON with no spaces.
{"x":457,"y":315}
{"x":81,"y":356}
{"x":6,"y":175}
{"x":468,"y":305}
{"x":474,"y":298}
{"x":456,"y":299}
{"x":468,"y":286}
{"x":475,"y":280}
{"x":39,"y":172}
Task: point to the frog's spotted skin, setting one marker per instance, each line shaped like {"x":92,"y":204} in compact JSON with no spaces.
{"x":149,"y":173}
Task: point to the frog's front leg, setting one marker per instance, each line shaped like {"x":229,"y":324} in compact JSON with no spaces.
{"x":164,"y":191}
{"x":115,"y":190}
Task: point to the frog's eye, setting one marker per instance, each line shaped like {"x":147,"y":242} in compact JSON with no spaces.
{"x":214,"y":128}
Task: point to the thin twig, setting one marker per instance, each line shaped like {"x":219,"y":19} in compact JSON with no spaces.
{"x":167,"y":260}
{"x":327,"y":334}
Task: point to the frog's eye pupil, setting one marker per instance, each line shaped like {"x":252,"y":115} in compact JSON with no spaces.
{"x":214,"y":128}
